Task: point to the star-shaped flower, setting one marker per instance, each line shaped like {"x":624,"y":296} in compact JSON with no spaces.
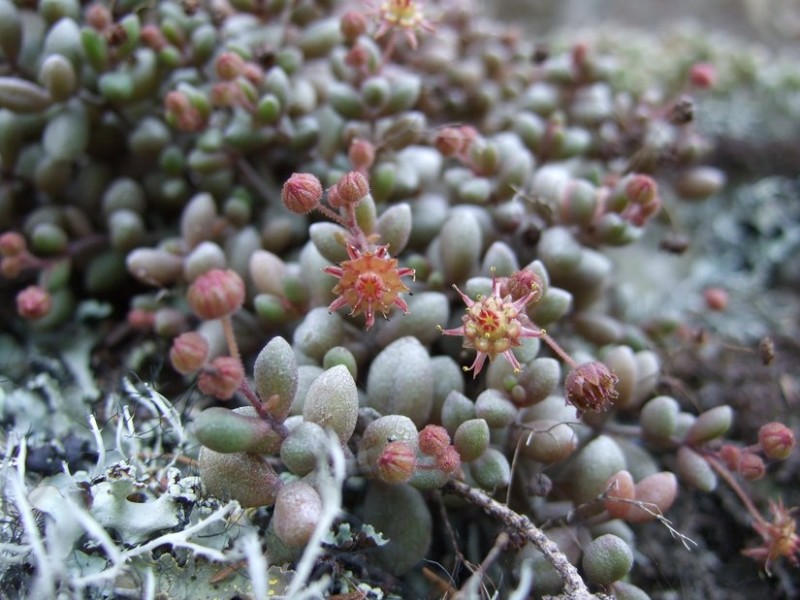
{"x":494,"y":325}
{"x":369,"y":282}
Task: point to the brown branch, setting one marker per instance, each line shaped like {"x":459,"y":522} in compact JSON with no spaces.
{"x":574,"y":587}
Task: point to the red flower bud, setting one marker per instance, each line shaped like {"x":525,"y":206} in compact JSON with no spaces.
{"x":776,"y":440}
{"x":352,"y":24}
{"x":152,"y":37}
{"x":703,"y":75}
{"x":222,"y":377}
{"x":449,"y":141}
{"x":357,"y":57}
{"x":449,"y":461}
{"x":11,"y":266}
{"x":12,"y":243}
{"x":521,"y":283}
{"x":216,"y":294}
{"x":641,"y":189}
{"x":301,"y":193}
{"x":361,"y":154}
{"x":433,"y":440}
{"x":349,"y":190}
{"x":229,"y":66}
{"x":591,"y":386}
{"x":397,"y":462}
{"x":731,"y":456}
{"x":98,"y":16}
{"x":33,"y":302}
{"x":188,"y":353}
{"x":751,"y":466}
{"x":716,"y":298}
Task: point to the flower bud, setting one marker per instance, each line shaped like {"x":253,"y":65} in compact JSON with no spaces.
{"x":591,"y":386}
{"x":180,"y":111}
{"x":188,"y":353}
{"x":433,"y":440}
{"x":397,"y":462}
{"x":449,"y":461}
{"x":349,"y":190}
{"x":222,"y":377}
{"x":11,"y":266}
{"x":716,"y":298}
{"x":229,"y":66}
{"x":153,"y":37}
{"x":449,"y":141}
{"x":301,"y":193}
{"x":34,"y":302}
{"x":640,"y":189}
{"x":731,"y":456}
{"x":703,"y":75}
{"x":98,"y":16}
{"x":12,"y":243}
{"x":352,"y":24}
{"x":776,"y":440}
{"x":523,"y":282}
{"x":751,"y":466}
{"x":361,"y":154}
{"x":216,"y":294}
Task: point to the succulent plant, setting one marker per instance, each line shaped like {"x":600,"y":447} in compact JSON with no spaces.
{"x":212,"y":182}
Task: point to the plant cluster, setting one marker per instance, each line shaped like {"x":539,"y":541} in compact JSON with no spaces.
{"x":371,"y":243}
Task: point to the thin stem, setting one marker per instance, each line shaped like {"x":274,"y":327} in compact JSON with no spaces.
{"x":723,"y":472}
{"x":558,"y":350}
{"x":355,"y":230}
{"x":244,"y":386}
{"x":230,"y":338}
{"x":332,"y":215}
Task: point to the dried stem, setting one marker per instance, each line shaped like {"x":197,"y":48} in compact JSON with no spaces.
{"x":574,"y":587}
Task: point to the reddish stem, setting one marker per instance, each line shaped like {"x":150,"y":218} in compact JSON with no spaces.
{"x":555,"y":347}
{"x":723,"y":472}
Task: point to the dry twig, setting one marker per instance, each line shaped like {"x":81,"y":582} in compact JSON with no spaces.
{"x":574,"y":586}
